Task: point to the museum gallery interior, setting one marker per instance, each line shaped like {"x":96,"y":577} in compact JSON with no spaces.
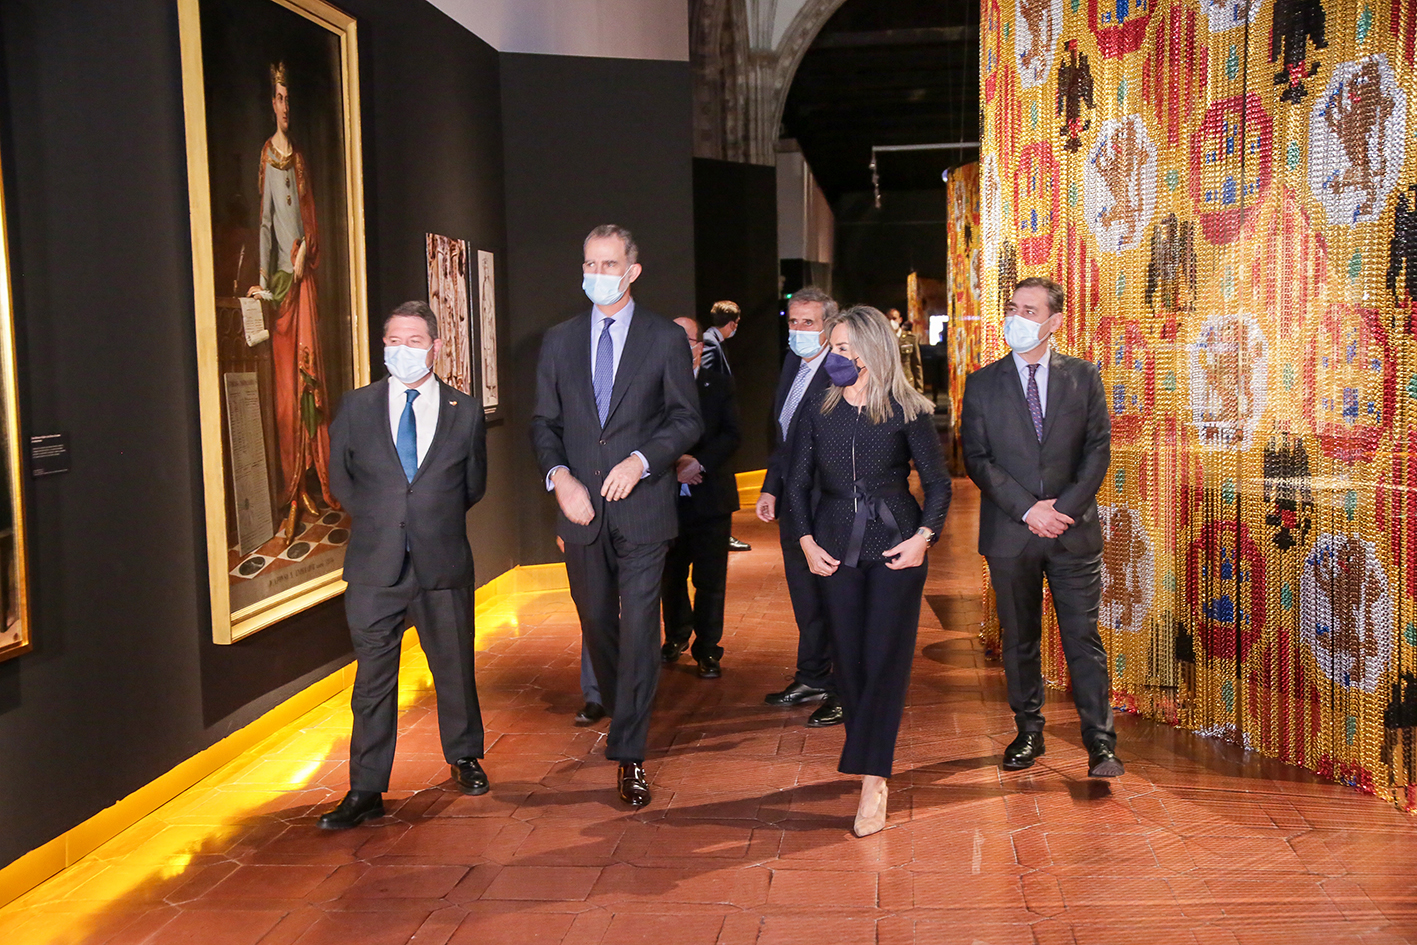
{"x":211,"y":207}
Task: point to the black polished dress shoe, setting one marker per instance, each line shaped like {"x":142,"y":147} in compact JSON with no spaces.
{"x":735,"y":544}
{"x":357,"y":807}
{"x":828,"y":713}
{"x":1023,"y":751}
{"x":634,"y":788}
{"x":470,"y":777}
{"x":670,"y":652}
{"x":1102,"y":761}
{"x":590,"y":713}
{"x":709,"y":668}
{"x":795,"y":694}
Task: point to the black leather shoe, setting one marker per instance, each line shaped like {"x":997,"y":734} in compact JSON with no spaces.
{"x":1102,"y":761}
{"x":357,"y":807}
{"x":735,"y":544}
{"x":470,"y":777}
{"x":669,"y":653}
{"x":709,"y":668}
{"x":634,"y":789}
{"x":590,"y":713}
{"x":795,"y":694}
{"x":1023,"y":751}
{"x":828,"y":713}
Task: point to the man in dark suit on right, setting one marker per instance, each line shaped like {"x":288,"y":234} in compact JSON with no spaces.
{"x":1037,"y":440}
{"x":802,"y":376}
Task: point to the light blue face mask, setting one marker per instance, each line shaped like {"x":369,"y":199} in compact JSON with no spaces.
{"x":602,"y":288}
{"x":805,"y":344}
{"x":406,"y":365}
{"x":1021,"y":334}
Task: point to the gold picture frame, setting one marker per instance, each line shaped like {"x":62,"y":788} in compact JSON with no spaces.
{"x":228,"y":47}
{"x":15,"y":633}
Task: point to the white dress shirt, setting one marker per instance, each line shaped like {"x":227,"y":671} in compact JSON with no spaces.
{"x":1021,"y":366}
{"x":425,"y":411}
{"x":619,"y":331}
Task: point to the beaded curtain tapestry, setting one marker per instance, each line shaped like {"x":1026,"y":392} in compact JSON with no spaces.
{"x":1227,"y":189}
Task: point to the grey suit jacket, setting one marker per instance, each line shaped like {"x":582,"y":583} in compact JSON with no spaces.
{"x":427,"y":518}
{"x":654,"y":408}
{"x":1014,"y":470}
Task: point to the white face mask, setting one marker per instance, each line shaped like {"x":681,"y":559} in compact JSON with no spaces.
{"x":805,"y":344}
{"x":406,"y":365}
{"x":604,"y":289}
{"x":1021,"y":334}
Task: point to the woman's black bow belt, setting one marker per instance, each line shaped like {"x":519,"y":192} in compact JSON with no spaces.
{"x":870,"y":507}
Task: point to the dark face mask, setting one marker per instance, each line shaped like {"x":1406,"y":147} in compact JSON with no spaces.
{"x":843,"y":372}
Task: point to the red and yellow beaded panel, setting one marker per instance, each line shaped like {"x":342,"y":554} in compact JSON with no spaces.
{"x":1227,"y":190}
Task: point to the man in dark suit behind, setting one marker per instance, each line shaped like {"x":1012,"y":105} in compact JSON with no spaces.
{"x":802,"y":376}
{"x":408,"y":458}
{"x":1037,"y":440}
{"x":708,"y":497}
{"x":615,"y":409}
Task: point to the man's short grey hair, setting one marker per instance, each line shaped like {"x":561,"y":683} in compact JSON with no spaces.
{"x":606,"y":230}
{"x":813,"y":294}
{"x":414,"y":309}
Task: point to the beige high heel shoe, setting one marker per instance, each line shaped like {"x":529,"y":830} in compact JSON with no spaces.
{"x":871,"y":812}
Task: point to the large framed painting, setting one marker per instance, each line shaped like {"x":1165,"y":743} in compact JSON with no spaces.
{"x":14,"y":583}
{"x":271,"y":95}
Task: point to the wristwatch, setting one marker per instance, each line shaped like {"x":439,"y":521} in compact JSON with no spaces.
{"x":929,"y":535}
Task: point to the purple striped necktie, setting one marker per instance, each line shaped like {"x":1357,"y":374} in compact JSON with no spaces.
{"x":1035,"y":404}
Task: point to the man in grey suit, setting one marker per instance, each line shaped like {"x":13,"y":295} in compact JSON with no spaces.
{"x":408,"y":458}
{"x":1037,"y":440}
{"x":616,"y":407}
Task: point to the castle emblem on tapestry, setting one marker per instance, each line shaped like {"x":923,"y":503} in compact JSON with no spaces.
{"x":1119,"y":184}
{"x":1229,"y":14}
{"x":1296,"y":24}
{"x":1074,"y":91}
{"x":1288,"y":492}
{"x":1171,"y":270}
{"x":1345,"y":611}
{"x":1037,"y":25}
{"x":1356,"y":140}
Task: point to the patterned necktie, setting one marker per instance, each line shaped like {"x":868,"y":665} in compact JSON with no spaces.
{"x":407,"y":442}
{"x":604,"y":380}
{"x":1035,"y":403}
{"x":794,"y":397}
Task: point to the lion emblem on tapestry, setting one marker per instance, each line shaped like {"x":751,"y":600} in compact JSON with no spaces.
{"x":1345,"y":611}
{"x":1119,"y":184}
{"x":1229,"y":364}
{"x":1128,"y":569}
{"x":1357,"y":143}
{"x":1037,"y":26}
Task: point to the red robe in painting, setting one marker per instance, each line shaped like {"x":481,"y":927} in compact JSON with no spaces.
{"x":302,"y":406}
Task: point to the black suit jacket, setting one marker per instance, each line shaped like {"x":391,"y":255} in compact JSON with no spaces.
{"x":654,"y":408}
{"x":1014,"y":470}
{"x":718,"y":493}
{"x":780,"y":457}
{"x":425,"y":518}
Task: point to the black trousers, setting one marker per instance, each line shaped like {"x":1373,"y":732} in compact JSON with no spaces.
{"x":615,"y":584}
{"x":702,"y":544}
{"x":874,"y":614}
{"x":378,"y":617}
{"x":814,"y":656}
{"x":1076,"y":583}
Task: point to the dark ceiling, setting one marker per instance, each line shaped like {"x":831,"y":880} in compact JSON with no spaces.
{"x":887,"y":72}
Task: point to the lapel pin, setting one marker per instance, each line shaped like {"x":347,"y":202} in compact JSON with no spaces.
{"x":452,"y":403}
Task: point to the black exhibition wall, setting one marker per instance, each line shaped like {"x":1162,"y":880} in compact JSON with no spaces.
{"x":588,"y":141}
{"x":124,"y":681}
{"x":735,"y":232}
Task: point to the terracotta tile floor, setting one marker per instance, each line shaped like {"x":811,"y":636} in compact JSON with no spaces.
{"x":747,"y":840}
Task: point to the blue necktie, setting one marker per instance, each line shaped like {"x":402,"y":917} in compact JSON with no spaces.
{"x":1035,"y":403}
{"x":407,"y":442}
{"x":604,"y":380}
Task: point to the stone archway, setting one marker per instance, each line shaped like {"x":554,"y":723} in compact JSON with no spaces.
{"x":742,"y":74}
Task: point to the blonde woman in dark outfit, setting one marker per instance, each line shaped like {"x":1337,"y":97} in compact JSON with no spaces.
{"x":867,"y":538}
